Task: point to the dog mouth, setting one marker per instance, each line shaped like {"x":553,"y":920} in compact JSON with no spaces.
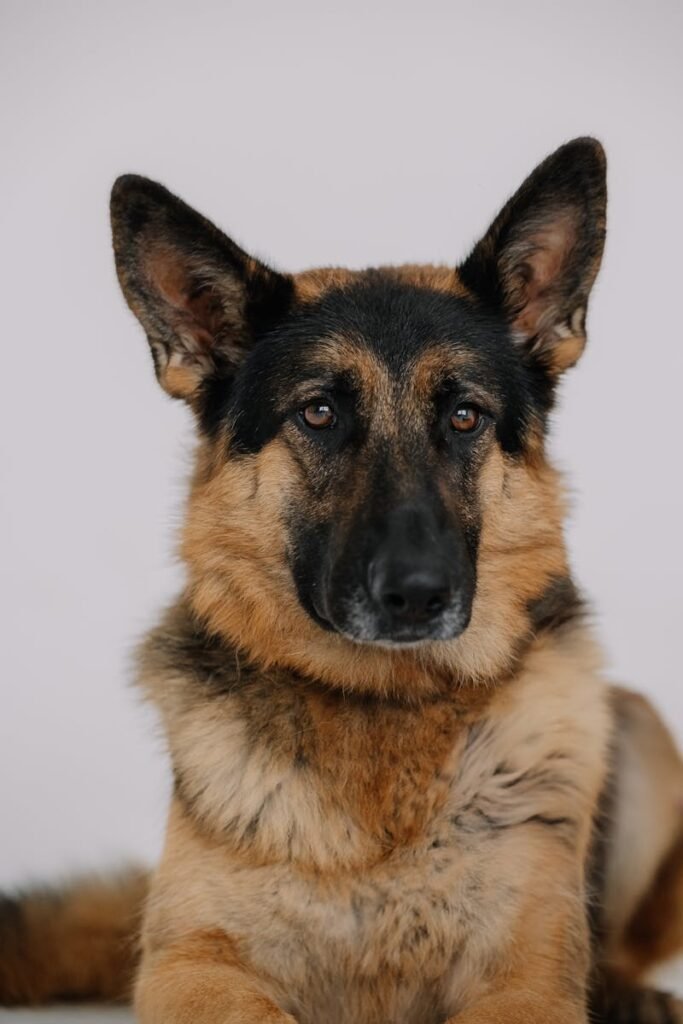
{"x":358,"y":621}
{"x":395,"y":642}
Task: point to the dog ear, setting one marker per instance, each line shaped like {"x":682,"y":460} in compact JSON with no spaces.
{"x":537,"y":262}
{"x":199,"y":297}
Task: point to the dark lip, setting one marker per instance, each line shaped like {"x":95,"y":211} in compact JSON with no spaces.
{"x":394,"y":642}
{"x":407,"y":636}
{"x":320,"y":619}
{"x":404,"y":637}
{"x":314,"y":605}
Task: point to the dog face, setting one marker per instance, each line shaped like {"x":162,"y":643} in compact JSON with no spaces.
{"x":387,"y":398}
{"x":371,"y":474}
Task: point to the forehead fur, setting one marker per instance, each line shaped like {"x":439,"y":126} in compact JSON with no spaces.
{"x":310,"y":285}
{"x":354,"y":330}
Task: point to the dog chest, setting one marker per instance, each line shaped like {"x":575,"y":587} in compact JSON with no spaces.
{"x":374,"y":868}
{"x":387,"y":944}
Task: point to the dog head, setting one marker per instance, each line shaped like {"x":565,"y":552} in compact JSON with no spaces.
{"x":372,"y":501}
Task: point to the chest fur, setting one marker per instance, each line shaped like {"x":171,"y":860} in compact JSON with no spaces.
{"x":372,"y":860}
{"x":283,"y":773}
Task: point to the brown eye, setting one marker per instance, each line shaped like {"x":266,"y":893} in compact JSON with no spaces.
{"x":465,"y":419}
{"x":318,"y":416}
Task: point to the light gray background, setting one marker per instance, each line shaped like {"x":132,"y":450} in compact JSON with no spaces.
{"x":351,"y":133}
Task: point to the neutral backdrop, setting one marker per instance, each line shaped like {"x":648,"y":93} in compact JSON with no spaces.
{"x":354,"y":133}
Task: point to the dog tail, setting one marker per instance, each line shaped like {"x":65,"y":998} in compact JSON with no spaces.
{"x":78,"y":942}
{"x":616,"y":1002}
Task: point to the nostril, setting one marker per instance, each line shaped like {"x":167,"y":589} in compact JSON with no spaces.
{"x":415,"y":596}
{"x":395,"y":602}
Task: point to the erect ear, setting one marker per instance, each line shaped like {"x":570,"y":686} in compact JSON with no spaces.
{"x":199,"y":297}
{"x":538,"y":260}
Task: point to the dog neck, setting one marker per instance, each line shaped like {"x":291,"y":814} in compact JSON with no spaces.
{"x":486,"y":654}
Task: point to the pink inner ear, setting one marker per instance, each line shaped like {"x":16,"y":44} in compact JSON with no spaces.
{"x":541,"y":270}
{"x":168,"y":277}
{"x":171,"y":280}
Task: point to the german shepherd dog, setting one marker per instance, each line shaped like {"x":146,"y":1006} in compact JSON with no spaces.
{"x":403,"y":792}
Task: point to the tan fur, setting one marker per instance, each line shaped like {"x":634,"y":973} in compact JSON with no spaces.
{"x":655,"y":932}
{"x":312,"y":284}
{"x":644,"y":883}
{"x":365,"y":829}
{"x":212,"y":859}
{"x":436,"y":363}
{"x":75,"y":943}
{"x":203,"y":977}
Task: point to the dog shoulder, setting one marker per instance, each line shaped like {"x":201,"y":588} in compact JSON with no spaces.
{"x":540,"y":754}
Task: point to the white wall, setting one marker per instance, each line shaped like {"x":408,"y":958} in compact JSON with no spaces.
{"x":354,"y":132}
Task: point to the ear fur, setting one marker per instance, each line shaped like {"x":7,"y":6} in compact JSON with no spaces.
{"x":537,"y":262}
{"x":199,"y":297}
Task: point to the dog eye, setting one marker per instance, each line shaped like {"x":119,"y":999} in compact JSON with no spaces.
{"x":318,"y":416}
{"x":465,"y":419}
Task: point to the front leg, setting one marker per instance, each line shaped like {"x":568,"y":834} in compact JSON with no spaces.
{"x":521,"y":1008}
{"x":541,"y":973}
{"x":201,"y":980}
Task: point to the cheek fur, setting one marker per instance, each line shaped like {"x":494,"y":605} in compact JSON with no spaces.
{"x":521,"y":541}
{"x":235,"y":533}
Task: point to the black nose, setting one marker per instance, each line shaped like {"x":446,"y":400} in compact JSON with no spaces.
{"x":409,"y":591}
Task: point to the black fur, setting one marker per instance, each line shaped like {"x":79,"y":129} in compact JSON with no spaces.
{"x":559,"y":604}
{"x":616,"y":1003}
{"x":396,"y":322}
